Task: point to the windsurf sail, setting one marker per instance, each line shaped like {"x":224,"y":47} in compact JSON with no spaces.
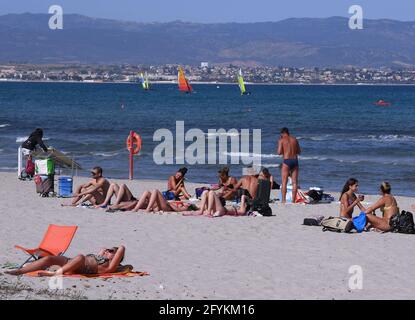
{"x":184,"y":85}
{"x":144,"y":81}
{"x":241,"y":82}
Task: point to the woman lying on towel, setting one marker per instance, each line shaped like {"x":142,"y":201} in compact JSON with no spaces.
{"x":106,"y":261}
{"x":387,"y":205}
{"x":212,"y":205}
{"x":153,"y":201}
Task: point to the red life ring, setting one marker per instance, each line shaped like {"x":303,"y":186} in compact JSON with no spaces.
{"x":132,"y":140}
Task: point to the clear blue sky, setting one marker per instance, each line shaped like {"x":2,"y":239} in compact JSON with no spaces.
{"x":215,"y":10}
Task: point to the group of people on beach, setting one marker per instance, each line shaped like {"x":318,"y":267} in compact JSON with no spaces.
{"x":100,"y":192}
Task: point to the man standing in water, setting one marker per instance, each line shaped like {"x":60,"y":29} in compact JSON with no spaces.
{"x":289,"y":148}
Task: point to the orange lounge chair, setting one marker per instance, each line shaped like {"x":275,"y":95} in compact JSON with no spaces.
{"x":55,"y":242}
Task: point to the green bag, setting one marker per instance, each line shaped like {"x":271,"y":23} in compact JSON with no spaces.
{"x":45,"y":167}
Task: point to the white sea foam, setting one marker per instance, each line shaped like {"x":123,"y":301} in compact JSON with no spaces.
{"x":4,"y":125}
{"x":23,"y":139}
{"x":106,"y":154}
{"x":251,"y":155}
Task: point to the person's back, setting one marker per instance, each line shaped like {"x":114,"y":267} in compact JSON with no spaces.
{"x":289,"y":148}
{"x":35,"y":138}
{"x":249,"y":183}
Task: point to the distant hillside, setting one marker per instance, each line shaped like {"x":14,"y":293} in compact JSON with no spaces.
{"x":292,"y":42}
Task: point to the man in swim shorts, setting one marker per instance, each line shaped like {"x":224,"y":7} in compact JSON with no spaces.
{"x":289,"y":148}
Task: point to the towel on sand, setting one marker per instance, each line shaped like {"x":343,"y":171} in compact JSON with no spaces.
{"x":125,"y":272}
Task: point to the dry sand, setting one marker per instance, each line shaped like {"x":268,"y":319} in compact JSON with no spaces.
{"x":202,"y":258}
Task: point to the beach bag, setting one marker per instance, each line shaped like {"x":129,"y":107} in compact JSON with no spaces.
{"x":315,"y":195}
{"x":337,"y":224}
{"x":44,"y":167}
{"x":313,"y":221}
{"x":168,"y":195}
{"x":402,"y":223}
{"x":199,"y":191}
{"x":359,"y":222}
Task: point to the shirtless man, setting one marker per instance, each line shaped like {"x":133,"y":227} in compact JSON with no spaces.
{"x":94,"y":191}
{"x":248,"y":183}
{"x":289,"y":148}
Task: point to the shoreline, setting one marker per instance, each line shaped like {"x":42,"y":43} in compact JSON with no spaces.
{"x":211,"y":83}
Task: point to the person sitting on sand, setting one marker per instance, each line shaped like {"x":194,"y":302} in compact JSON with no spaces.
{"x":226,"y":184}
{"x":349,"y":200}
{"x":153,"y":201}
{"x":175,"y":184}
{"x":93,"y":191}
{"x":122,"y":195}
{"x":387,"y":205}
{"x":106,"y":261}
{"x":212,"y":205}
{"x":248,"y":184}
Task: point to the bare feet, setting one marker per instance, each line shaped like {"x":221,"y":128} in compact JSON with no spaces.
{"x":46,"y":274}
{"x":14,"y":272}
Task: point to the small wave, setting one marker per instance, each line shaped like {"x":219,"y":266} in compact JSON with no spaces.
{"x":105,"y":154}
{"x":8,"y":168}
{"x":391,"y":138}
{"x":23,"y":139}
{"x":218,"y":134}
{"x":250,"y":155}
{"x":4,"y":125}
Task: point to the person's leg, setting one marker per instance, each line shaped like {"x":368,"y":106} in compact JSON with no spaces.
{"x":185,"y":193}
{"x":210,"y":204}
{"x":218,"y":209}
{"x":294,"y":176}
{"x":75,"y":200}
{"x":112,"y":190}
{"x":143,"y":201}
{"x":124,"y":194}
{"x":162,"y":203}
{"x":242,"y":209}
{"x":378,"y":223}
{"x":74,"y":265}
{"x":40,"y":264}
{"x":285,"y":172}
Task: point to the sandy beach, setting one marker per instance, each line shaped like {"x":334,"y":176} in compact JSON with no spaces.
{"x":202,"y":258}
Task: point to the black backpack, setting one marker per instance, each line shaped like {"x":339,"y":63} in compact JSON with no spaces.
{"x":403,"y":223}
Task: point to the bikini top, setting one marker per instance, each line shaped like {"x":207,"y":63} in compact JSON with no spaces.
{"x":99,"y":259}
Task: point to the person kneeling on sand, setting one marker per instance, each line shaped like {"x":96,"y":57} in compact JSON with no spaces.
{"x":387,"y":205}
{"x":225,"y":188}
{"x":106,"y":261}
{"x":122,"y":195}
{"x":93,"y":191}
{"x":349,"y":200}
{"x":248,"y":184}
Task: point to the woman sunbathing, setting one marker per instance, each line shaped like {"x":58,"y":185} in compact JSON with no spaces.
{"x":348,"y":199}
{"x":212,"y":205}
{"x":387,"y":205}
{"x":106,"y":261}
{"x":154,"y":201}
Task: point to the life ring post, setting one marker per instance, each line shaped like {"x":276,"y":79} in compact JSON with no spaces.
{"x":131,"y":156}
{"x":133,"y":147}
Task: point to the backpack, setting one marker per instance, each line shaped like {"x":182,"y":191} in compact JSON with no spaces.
{"x":402,"y":223}
{"x":315,"y":195}
{"x":313,"y":221}
{"x":337,"y":224}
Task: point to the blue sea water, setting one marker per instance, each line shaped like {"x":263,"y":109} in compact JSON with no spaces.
{"x":341,"y":132}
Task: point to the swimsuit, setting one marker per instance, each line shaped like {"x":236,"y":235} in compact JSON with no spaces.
{"x":291,"y":163}
{"x":90,"y":260}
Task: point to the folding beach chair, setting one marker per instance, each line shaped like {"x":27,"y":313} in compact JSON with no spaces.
{"x":261,"y":201}
{"x":55,"y":242}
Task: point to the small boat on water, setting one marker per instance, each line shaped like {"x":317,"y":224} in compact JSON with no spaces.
{"x":382,"y":103}
{"x":184,"y":85}
{"x":241,"y":84}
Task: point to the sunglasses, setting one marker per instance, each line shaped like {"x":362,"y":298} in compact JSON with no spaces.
{"x":93,"y":173}
{"x":110,"y":250}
